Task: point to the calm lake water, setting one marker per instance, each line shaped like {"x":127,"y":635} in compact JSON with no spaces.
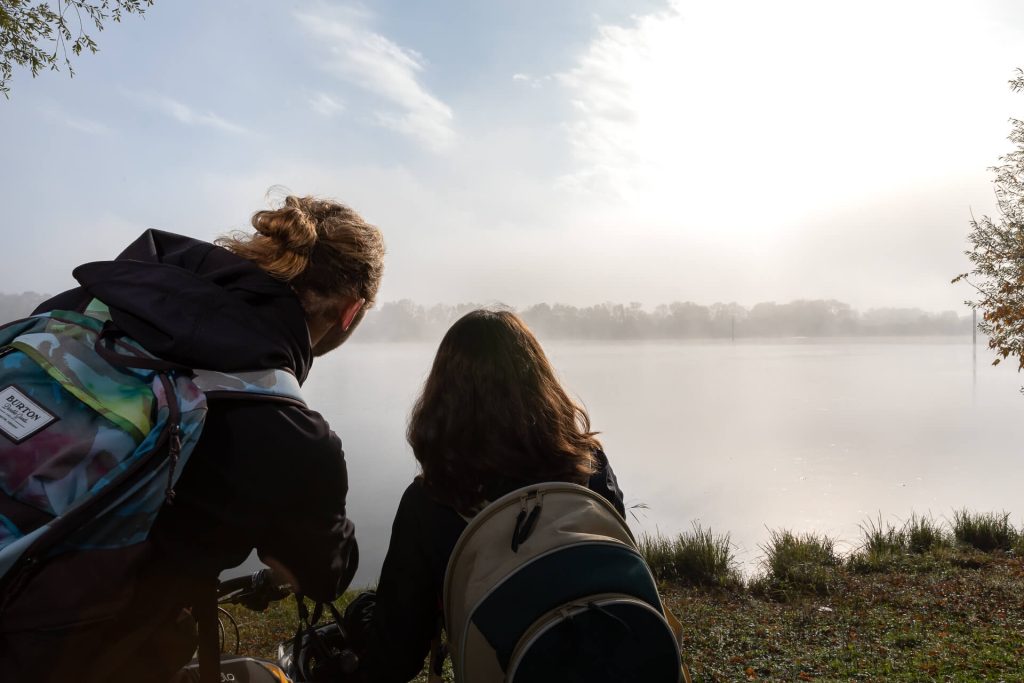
{"x":742,"y":437}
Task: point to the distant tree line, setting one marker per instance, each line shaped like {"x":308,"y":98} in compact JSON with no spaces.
{"x":14,"y":306}
{"x":408,"y":321}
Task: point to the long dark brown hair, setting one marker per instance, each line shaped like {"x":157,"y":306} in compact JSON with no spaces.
{"x":493,"y":416}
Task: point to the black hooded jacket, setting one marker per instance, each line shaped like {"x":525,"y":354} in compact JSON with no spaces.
{"x":263,"y":475}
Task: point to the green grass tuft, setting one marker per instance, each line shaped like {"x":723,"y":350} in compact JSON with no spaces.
{"x":797,"y":564}
{"x":924,"y":534}
{"x":657,"y":551}
{"x":986,"y":531}
{"x":883,"y":537}
{"x":883,"y":545}
{"x":696,"y":558}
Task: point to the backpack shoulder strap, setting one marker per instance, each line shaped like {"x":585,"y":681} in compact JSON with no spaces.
{"x":279,"y":385}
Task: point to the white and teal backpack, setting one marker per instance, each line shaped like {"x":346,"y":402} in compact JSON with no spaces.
{"x":546,"y":585}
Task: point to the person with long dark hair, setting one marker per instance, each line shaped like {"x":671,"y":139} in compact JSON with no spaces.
{"x":492,"y":418}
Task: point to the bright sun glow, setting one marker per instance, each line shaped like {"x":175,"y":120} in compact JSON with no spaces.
{"x":743,"y":117}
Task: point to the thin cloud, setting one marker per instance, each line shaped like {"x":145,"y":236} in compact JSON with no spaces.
{"x":532,"y":81}
{"x":325,"y":105}
{"x":375,"y":64}
{"x":80,"y":124}
{"x":182,"y":113}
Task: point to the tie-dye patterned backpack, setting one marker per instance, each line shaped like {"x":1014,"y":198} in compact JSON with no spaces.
{"x":94,"y":432}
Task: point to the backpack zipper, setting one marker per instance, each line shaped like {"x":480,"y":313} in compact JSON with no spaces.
{"x":564,"y":612}
{"x":501,"y":582}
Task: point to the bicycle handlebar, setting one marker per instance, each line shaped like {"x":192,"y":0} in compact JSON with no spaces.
{"x":255,"y":591}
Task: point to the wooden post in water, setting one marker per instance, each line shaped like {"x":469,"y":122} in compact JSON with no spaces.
{"x":974,"y":352}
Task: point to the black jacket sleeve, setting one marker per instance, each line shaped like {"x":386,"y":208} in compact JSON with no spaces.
{"x":270,"y":476}
{"x":603,"y":481}
{"x":408,"y":609}
{"x":307,"y":531}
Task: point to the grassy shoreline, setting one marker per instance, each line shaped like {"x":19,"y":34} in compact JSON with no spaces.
{"x":951,"y":616}
{"x":919,"y":602}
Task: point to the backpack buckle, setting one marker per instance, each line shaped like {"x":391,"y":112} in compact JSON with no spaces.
{"x":526,"y":522}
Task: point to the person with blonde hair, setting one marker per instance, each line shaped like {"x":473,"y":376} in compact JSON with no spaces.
{"x":264,"y":474}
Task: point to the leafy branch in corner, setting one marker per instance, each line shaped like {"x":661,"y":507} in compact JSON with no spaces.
{"x":997,"y":253}
{"x":45,"y":35}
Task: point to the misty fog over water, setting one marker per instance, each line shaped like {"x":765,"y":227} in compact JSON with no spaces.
{"x":806,"y":433}
{"x":801,"y":434}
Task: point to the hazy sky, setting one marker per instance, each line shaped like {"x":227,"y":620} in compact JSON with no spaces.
{"x":577,"y":150}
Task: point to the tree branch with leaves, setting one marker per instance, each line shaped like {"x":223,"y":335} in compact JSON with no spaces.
{"x":44,"y":35}
{"x":997,"y":253}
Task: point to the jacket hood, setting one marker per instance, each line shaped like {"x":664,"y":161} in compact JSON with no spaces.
{"x":199,"y":305}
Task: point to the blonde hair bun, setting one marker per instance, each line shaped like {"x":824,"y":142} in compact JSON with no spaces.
{"x":290,"y":226}
{"x":320,"y":246}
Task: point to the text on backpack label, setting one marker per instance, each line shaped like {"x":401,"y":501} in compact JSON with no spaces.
{"x":20,"y":416}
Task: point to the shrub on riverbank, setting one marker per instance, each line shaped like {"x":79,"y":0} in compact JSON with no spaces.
{"x":924,"y":534}
{"x":696,"y":558}
{"x":796,"y":564}
{"x":985,"y":531}
{"x":883,"y":538}
{"x":799,"y":564}
{"x":884,"y":545}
